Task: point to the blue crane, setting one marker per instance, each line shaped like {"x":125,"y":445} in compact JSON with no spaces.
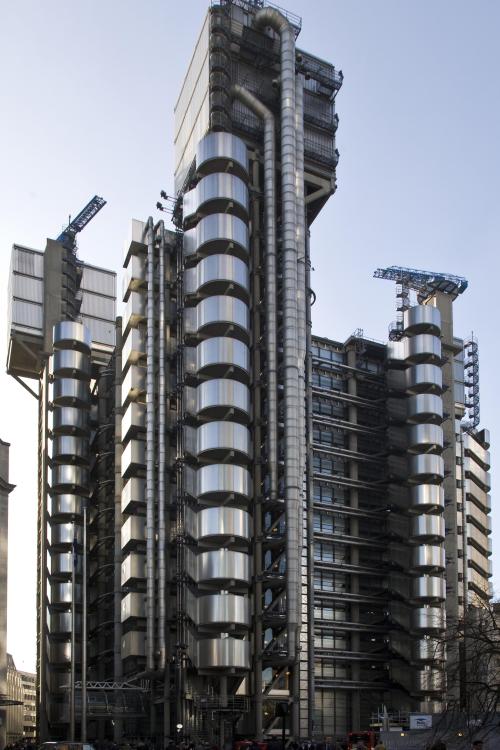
{"x":68,"y":235}
{"x":423,"y":282}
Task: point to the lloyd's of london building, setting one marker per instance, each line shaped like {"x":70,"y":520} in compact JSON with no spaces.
{"x":272,"y":518}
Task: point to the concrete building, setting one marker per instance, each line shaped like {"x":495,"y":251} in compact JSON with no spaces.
{"x":14,"y":711}
{"x":275,"y":525}
{"x":29,"y":704}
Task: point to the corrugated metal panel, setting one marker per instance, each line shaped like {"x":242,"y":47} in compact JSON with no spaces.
{"x":27,"y":261}
{"x":27,"y":288}
{"x":99,"y":281}
{"x":27,"y":314}
{"x":98,"y":306}
{"x":101,"y":331}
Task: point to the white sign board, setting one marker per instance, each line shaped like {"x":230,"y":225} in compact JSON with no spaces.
{"x":420,"y":721}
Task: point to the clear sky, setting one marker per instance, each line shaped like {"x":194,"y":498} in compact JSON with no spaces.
{"x":87,"y":92}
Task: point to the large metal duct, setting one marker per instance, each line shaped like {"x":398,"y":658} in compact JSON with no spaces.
{"x":150,"y":453}
{"x":162,"y":534}
{"x":273,"y":18}
{"x":259,"y":109}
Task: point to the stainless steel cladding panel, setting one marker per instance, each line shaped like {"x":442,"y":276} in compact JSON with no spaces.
{"x":70,"y":477}
{"x":72,"y":364}
{"x":133,"y":494}
{"x":61,"y":593}
{"x":71,"y":392}
{"x":220,"y":564}
{"x":133,"y":532}
{"x":223,"y":479}
{"x":135,"y":311}
{"x":428,"y":557}
{"x":60,"y":652}
{"x":70,"y":420}
{"x":426,"y":467}
{"x":427,"y":527}
{"x":429,"y":588}
{"x":134,"y":347}
{"x":60,"y":622}
{"x":133,"y":644}
{"x":217,"y":233}
{"x":223,"y":436}
{"x":133,"y":605}
{"x":422,"y":318}
{"x":215,"y":522}
{"x":134,"y":384}
{"x":423,"y":346}
{"x":66,"y":505}
{"x":425,"y":407}
{"x":476,"y":451}
{"x":425,"y":437}
{"x":66,"y":448}
{"x":215,"y":273}
{"x":427,"y":497}
{"x":222,"y":609}
{"x":133,"y":421}
{"x":223,"y":653}
{"x":428,"y":650}
{"x":133,"y":568}
{"x":396,"y":351}
{"x":216,"y":150}
{"x":61,"y":564}
{"x":215,"y":190}
{"x":430,"y":680}
{"x":424,"y":378}
{"x":134,"y":275}
{"x":62,"y":534}
{"x":222,"y":393}
{"x":214,"y":315}
{"x":474,"y":472}
{"x":133,"y":458}
{"x":222,"y":350}
{"x":428,"y":618}
{"x":71,"y":335}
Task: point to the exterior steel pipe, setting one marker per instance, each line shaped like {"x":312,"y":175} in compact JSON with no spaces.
{"x":162,"y":534}
{"x":301,"y":263}
{"x":274,"y":19}
{"x":256,"y":106}
{"x":150,"y":456}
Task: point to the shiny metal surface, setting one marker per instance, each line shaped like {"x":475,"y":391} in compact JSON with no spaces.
{"x":72,"y":364}
{"x":422,"y":318}
{"x":477,"y":495}
{"x":133,"y":644}
{"x":428,"y":650}
{"x":67,"y":477}
{"x":135,"y":311}
{"x":133,"y":605}
{"x":217,"y":233}
{"x":67,"y":448}
{"x":220,"y":437}
{"x":63,"y":534}
{"x":428,"y":619}
{"x":218,"y":274}
{"x":214,"y":355}
{"x":428,"y":557}
{"x":424,"y":347}
{"x":222,"y":609}
{"x":479,"y":476}
{"x":71,"y":335}
{"x":133,"y":421}
{"x":133,"y":568}
{"x":71,"y":392}
{"x":425,"y":497}
{"x":430,"y":681}
{"x":429,"y":588}
{"x":220,"y":395}
{"x":60,"y":653}
{"x":133,"y":458}
{"x":218,"y":480}
{"x":134,"y":275}
{"x":70,"y":420}
{"x":427,"y":527}
{"x":134,"y":347}
{"x":219,"y":522}
{"x":133,"y":495}
{"x":425,"y":468}
{"x":223,"y":653}
{"x":134,"y":385}
{"x":66,"y":505}
{"x":133,"y":532}
{"x":216,"y":192}
{"x":61,"y":564}
{"x":221,"y":151}
{"x":61,"y":593}
{"x":425,"y":437}
{"x":476,"y":451}
{"x":220,"y":565}
{"x":215,"y":315}
{"x":425,"y":407}
{"x":424,"y":378}
{"x":60,"y":622}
